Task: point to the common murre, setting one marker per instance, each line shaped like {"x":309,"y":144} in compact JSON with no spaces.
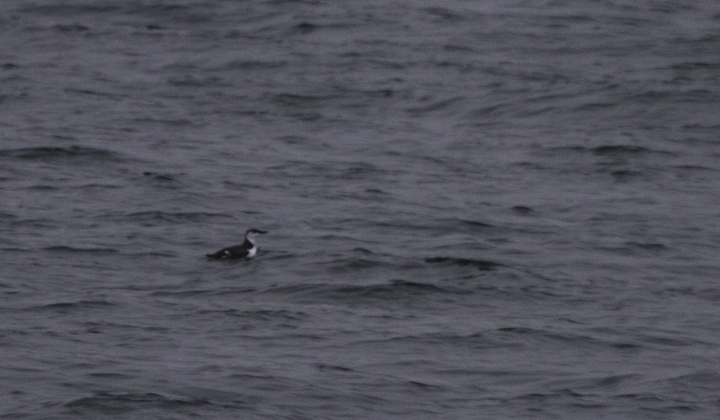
{"x":247,"y":249}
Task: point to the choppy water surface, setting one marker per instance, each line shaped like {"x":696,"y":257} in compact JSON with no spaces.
{"x":476,"y":209}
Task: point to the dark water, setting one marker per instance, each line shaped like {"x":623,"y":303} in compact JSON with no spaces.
{"x":476,"y":209}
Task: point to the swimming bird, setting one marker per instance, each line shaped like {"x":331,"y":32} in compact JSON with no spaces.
{"x":247,"y":249}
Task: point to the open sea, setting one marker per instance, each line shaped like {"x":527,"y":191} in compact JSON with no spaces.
{"x":476,"y":209}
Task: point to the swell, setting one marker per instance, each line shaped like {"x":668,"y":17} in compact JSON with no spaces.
{"x":76,"y":250}
{"x":168,"y":217}
{"x":54,"y":154}
{"x":612,"y":150}
{"x":391,"y":291}
{"x":481,"y":265}
{"x":69,"y":306}
{"x":124,"y":402}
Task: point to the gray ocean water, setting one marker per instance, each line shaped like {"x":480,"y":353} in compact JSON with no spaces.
{"x":477,"y":209}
